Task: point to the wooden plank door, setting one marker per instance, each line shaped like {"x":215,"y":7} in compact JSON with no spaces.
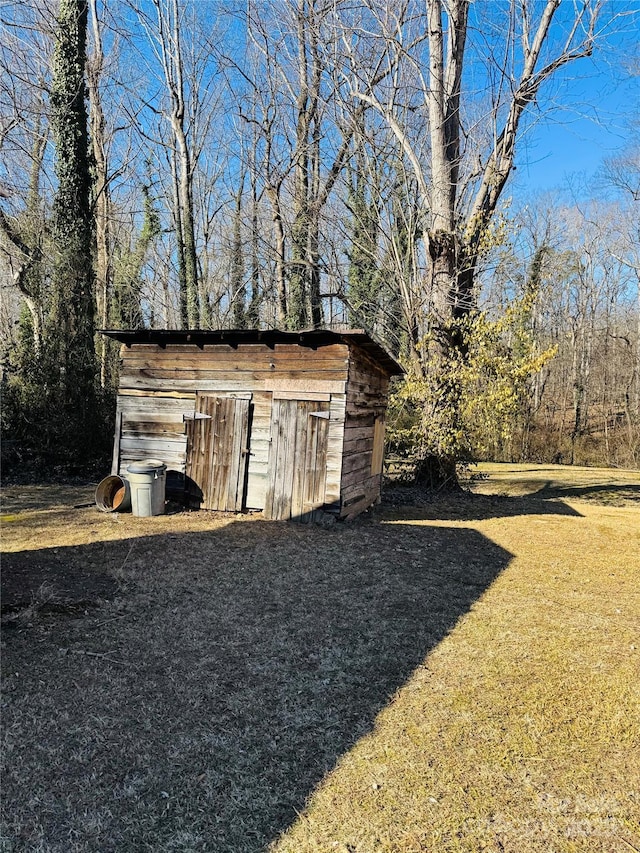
{"x":298,"y":458}
{"x":217,"y":451}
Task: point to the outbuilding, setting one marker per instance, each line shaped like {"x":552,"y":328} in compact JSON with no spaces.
{"x":290,"y":423}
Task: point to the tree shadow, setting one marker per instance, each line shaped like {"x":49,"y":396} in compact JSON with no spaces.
{"x":596,"y":492}
{"x":417,"y":504}
{"x":221,"y":678}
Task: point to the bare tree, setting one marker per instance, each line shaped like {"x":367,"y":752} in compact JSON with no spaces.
{"x":101,"y":191}
{"x":26,"y":44}
{"x":165,"y":39}
{"x":581,"y":406}
{"x":464,"y":173}
{"x":23,"y":237}
{"x":307,"y":126}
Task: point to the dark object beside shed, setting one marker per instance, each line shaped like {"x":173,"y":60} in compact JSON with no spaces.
{"x":291,"y":423}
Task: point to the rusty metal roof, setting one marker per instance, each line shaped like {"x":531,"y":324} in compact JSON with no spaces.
{"x":312,"y":338}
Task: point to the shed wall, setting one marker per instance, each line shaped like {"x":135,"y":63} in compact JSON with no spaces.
{"x":159,"y":386}
{"x":366,"y":402}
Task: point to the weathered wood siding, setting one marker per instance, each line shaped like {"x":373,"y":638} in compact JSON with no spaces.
{"x":218,"y":450}
{"x":151,"y":425}
{"x":297,"y":464}
{"x":159,"y":387}
{"x":363,"y":450}
{"x":220,"y":367}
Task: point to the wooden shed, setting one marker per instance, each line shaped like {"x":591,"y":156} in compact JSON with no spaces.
{"x":291,"y":423}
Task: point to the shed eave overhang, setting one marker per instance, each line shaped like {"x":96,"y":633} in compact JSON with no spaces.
{"x":312,"y":338}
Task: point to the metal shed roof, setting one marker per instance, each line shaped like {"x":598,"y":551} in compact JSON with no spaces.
{"x":313,"y":339}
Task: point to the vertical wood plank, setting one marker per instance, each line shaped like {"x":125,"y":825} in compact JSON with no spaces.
{"x":115,"y":460}
{"x":239,"y":416}
{"x":297,"y":465}
{"x":299,"y":433}
{"x":215,"y":458}
{"x":320,"y":467}
{"x":316,"y":463}
{"x":280,"y":418}
{"x":198,"y":443}
{"x":218,"y":472}
{"x":206,"y":454}
{"x":284,"y":473}
{"x":377,"y":457}
{"x":273,"y":455}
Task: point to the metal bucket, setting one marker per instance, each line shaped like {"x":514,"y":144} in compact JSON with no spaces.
{"x":113,"y":494}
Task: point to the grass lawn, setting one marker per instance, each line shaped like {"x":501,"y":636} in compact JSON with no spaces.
{"x":443,"y":675}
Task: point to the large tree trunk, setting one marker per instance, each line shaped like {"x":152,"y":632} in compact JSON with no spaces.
{"x":313,"y":207}
{"x":310,"y":191}
{"x":454,"y":242}
{"x":71,"y":317}
{"x":183,"y":298}
{"x":170,"y":48}
{"x":188,"y":238}
{"x":102,"y":201}
{"x":253,"y":310}
{"x":298,"y":308}
{"x":273,"y":194}
{"x":238,"y":294}
{"x":70,"y":327}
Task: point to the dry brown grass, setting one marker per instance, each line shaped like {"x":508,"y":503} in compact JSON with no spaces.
{"x":521,"y":730}
{"x":461,"y":675}
{"x":613,"y":486}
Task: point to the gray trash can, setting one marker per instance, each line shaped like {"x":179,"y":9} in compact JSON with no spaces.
{"x":147,"y":480}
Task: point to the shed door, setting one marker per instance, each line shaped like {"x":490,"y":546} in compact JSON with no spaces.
{"x":298,"y":458}
{"x":217,"y":451}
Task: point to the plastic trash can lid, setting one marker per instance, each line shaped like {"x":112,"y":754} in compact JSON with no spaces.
{"x":146,"y":466}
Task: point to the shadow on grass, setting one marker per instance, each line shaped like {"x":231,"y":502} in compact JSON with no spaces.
{"x":597,"y":493}
{"x":223,"y":677}
{"x":414,"y":504}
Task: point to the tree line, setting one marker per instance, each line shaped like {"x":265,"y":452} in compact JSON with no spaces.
{"x":302,"y":164}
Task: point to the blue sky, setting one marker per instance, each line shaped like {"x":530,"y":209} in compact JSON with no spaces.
{"x":597,"y":102}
